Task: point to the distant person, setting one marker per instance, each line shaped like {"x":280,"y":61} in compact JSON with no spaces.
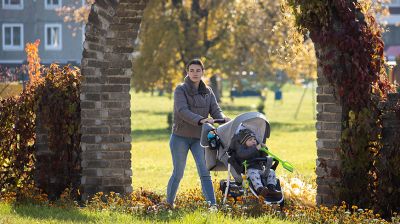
{"x":194,"y":101}
{"x":278,"y":96}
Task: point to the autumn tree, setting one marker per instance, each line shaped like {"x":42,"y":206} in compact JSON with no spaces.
{"x":75,"y":14}
{"x":231,"y":36}
{"x":172,"y":33}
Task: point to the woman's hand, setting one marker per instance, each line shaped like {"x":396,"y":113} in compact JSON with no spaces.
{"x":207,"y":120}
{"x":227,"y":119}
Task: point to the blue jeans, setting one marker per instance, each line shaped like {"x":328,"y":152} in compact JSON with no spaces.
{"x":179,"y":149}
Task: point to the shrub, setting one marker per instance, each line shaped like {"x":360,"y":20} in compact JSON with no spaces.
{"x":58,"y":115}
{"x":17,"y":138}
{"x":51,"y":97}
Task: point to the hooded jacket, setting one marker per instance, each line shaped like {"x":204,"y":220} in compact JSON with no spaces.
{"x":192,"y":105}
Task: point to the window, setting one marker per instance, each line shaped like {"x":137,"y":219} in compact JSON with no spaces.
{"x":395,"y":2}
{"x":13,"y":4}
{"x":13,"y":36}
{"x":83,"y":33}
{"x":53,"y":37}
{"x":52,"y":4}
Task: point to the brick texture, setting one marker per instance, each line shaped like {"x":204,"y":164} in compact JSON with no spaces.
{"x":329,"y":127}
{"x":106,"y":66}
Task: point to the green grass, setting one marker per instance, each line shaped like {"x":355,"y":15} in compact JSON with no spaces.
{"x":41,"y":214}
{"x":291,"y":139}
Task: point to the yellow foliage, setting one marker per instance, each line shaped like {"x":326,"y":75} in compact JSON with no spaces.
{"x":33,"y":59}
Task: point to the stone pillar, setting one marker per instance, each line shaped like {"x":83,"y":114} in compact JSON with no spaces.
{"x":329,"y":129}
{"x":391,"y":121}
{"x":105,"y":99}
{"x":387,"y":166}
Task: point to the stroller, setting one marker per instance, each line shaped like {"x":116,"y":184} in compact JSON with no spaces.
{"x":219,"y":156}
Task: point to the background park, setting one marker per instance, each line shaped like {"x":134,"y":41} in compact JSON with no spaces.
{"x":252,"y":46}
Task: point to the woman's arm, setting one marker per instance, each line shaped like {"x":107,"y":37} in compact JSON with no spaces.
{"x":181,"y":108}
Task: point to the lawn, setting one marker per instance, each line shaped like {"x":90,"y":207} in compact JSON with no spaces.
{"x":10,"y":89}
{"x":292,"y":139}
{"x":45,"y":215}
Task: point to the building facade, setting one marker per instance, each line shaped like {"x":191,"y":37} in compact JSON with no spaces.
{"x":392,"y":36}
{"x":23,"y":21}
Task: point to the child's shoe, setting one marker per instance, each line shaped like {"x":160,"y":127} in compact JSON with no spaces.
{"x":276,"y":193}
{"x":269,"y":192}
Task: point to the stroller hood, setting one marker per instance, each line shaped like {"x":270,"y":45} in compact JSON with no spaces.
{"x":254,"y":121}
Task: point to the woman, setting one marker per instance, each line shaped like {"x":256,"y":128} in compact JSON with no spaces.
{"x":193,"y":102}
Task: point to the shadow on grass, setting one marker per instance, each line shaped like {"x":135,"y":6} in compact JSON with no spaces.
{"x":74,"y":215}
{"x":48,"y":213}
{"x":157,"y":113}
{"x":291,"y":127}
{"x":151,"y":134}
{"x":234,"y":108}
{"x":163,"y":134}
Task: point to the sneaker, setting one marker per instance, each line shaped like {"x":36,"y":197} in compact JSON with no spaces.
{"x":267,"y":192}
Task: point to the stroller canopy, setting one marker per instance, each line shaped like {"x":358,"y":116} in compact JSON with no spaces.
{"x":254,"y":121}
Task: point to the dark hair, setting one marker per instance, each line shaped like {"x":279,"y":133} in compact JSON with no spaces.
{"x":195,"y":61}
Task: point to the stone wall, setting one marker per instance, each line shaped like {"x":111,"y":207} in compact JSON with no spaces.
{"x":329,"y":128}
{"x":391,"y":121}
{"x":387,"y":165}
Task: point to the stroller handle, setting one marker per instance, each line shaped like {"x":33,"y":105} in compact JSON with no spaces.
{"x":219,"y":121}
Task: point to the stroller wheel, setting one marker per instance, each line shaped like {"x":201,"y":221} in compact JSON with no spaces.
{"x":278,"y":187}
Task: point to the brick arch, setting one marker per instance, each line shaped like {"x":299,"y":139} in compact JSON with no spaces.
{"x":105,"y":103}
{"x":105,"y":100}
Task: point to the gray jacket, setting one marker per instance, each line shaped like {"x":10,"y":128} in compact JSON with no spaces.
{"x":191,"y":105}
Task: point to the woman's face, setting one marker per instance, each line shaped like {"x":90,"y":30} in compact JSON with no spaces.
{"x":195,"y":72}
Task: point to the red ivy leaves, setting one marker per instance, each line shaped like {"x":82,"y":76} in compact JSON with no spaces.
{"x":351,"y":55}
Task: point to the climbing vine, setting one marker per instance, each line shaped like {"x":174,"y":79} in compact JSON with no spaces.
{"x":349,"y":49}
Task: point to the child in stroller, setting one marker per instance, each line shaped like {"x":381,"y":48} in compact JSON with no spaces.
{"x":221,"y":146}
{"x":245,"y":147}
